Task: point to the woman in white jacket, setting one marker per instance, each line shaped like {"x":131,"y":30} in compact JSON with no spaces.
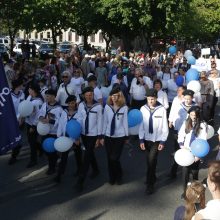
{"x":193,"y":128}
{"x":69,"y":114}
{"x":115,"y":131}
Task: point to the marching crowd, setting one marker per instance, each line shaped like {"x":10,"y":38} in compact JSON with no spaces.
{"x":98,"y":90}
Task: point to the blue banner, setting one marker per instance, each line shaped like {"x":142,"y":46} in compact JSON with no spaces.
{"x":9,"y":129}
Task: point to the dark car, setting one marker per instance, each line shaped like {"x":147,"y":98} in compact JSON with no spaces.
{"x":65,"y":48}
{"x":46,"y":50}
{"x":3,"y":50}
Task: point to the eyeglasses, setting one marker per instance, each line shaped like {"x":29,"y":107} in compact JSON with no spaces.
{"x":64,"y":76}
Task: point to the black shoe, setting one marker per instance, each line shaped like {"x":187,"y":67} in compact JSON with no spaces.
{"x":149,"y":190}
{"x":50,"y":171}
{"x":12,"y":160}
{"x":94,"y":174}
{"x":57,"y":179}
{"x":31,"y":164}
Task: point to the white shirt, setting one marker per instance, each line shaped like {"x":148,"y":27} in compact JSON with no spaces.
{"x":33,"y":118}
{"x":216,"y":83}
{"x":53,"y":112}
{"x":77,"y":83}
{"x":62,"y":94}
{"x":64,"y":118}
{"x":121,"y":121}
{"x":95,"y":118}
{"x":173,"y":116}
{"x":172,"y":89}
{"x":138,"y":92}
{"x":97,"y":94}
{"x":184,"y":138}
{"x":211,"y":211}
{"x":160,"y":126}
{"x":162,"y":98}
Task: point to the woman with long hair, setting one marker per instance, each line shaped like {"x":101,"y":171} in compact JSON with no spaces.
{"x":194,"y":201}
{"x":115,"y":131}
{"x":192,"y":129}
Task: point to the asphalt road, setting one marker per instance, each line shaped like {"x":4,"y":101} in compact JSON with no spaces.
{"x":29,"y":194}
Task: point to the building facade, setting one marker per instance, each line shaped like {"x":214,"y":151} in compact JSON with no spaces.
{"x":70,"y":36}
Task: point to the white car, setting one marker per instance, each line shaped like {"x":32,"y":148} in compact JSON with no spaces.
{"x":5,"y":41}
{"x":17,"y":48}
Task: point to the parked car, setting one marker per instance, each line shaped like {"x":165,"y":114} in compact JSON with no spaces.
{"x":45,"y":49}
{"x":65,"y":47}
{"x":17,"y":48}
{"x":3,"y":50}
{"x":5,"y":41}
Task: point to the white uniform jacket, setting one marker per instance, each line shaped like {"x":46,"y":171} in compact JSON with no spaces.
{"x":90,"y":119}
{"x":184,"y":139}
{"x":33,"y":118}
{"x":53,"y":112}
{"x":121,"y":121}
{"x":180,"y":115}
{"x":64,"y":118}
{"x":158,"y":124}
{"x":17,"y":98}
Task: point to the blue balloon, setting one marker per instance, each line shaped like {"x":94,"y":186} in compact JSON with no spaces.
{"x":48,"y":145}
{"x":200,"y":148}
{"x":179,"y":80}
{"x":191,"y":60}
{"x":73,"y":129}
{"x":192,"y":74}
{"x":134,"y":117}
{"x":172,"y":50}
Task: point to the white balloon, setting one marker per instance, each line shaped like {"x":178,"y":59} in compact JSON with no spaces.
{"x":25,"y":108}
{"x":210,"y":132}
{"x":63,"y":144}
{"x":43,"y":129}
{"x":134,"y":130}
{"x":184,"y":157}
{"x":188,"y":53}
{"x":194,"y":85}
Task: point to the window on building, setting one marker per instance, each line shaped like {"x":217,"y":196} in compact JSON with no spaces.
{"x":36,"y":35}
{"x":92,"y":38}
{"x":48,"y":34}
{"x":76,"y":37}
{"x":101,"y":39}
{"x":69,"y":36}
{"x":41,"y":35}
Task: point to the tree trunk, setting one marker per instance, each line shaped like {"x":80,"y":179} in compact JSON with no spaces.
{"x":108,"y":38}
{"x":12,"y":37}
{"x":127,"y":44}
{"x":85,"y":41}
{"x":54,"y":37}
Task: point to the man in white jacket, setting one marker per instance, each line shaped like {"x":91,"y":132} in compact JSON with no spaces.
{"x":153,"y":133}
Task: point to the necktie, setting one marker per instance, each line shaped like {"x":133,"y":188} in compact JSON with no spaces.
{"x":151,"y":130}
{"x":193,"y":137}
{"x":87,"y":122}
{"x":113,"y":122}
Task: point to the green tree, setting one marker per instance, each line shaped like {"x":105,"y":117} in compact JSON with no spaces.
{"x":53,"y":15}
